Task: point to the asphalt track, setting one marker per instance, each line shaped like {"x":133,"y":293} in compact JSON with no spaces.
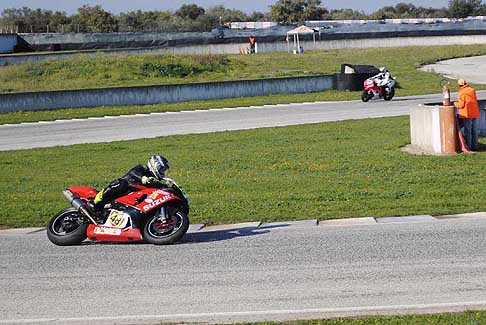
{"x":250,"y":272}
{"x":275,"y":272}
{"x":129,"y":127}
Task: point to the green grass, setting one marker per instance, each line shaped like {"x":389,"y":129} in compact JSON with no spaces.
{"x":466,"y":318}
{"x":324,"y":171}
{"x":84,"y":71}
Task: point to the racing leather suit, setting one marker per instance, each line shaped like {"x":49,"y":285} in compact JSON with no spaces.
{"x":137,"y":175}
{"x":382,"y":79}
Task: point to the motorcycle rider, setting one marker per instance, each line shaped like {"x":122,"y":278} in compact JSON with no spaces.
{"x":152,"y":175}
{"x":382,"y":78}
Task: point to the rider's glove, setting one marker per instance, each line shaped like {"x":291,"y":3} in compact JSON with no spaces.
{"x":148,"y":180}
{"x":167,"y":182}
{"x":151,"y":180}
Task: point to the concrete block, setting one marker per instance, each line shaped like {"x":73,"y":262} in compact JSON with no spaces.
{"x":283,"y":224}
{"x":235,"y":227}
{"x":195,"y":227}
{"x":347,"y":222}
{"x":418,"y":218}
{"x":462,"y":216}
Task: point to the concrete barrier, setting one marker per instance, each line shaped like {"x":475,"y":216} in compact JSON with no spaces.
{"x":8,"y":43}
{"x":265,"y":47}
{"x":162,"y":94}
{"x":433,"y":128}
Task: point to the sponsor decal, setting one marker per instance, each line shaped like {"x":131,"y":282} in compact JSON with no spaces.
{"x":154,"y":195}
{"x":107,"y":231}
{"x":154,"y":203}
{"x":117,"y":219}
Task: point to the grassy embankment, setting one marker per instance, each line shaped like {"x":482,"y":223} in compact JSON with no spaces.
{"x":466,"y":318}
{"x":328,"y":170}
{"x":109,"y":71}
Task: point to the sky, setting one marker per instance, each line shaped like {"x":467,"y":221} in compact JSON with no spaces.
{"x":117,"y":6}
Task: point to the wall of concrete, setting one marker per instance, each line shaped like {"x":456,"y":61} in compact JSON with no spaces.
{"x":425,"y":128}
{"x":377,"y":42}
{"x":7,"y":43}
{"x":162,"y":94}
{"x":482,"y":119}
{"x":234,"y":48}
{"x":432,"y":127}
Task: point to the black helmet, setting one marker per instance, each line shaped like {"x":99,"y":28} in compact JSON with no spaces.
{"x":158,"y":166}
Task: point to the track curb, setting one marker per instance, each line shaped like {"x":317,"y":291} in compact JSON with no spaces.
{"x":347,"y":222}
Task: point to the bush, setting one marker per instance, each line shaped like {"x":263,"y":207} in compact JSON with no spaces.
{"x":166,"y":70}
{"x":180,"y":67}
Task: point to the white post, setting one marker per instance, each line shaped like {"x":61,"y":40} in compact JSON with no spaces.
{"x":298,"y":44}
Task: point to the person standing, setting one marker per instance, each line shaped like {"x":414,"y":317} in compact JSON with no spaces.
{"x":252,"y":41}
{"x":468,"y":114}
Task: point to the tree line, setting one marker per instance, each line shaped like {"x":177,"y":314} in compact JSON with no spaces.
{"x":193,"y":18}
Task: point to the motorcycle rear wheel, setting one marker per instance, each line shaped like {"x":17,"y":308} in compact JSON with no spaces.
{"x":365,"y":96}
{"x":389,"y":95}
{"x":67,"y":227}
{"x":165,"y":232}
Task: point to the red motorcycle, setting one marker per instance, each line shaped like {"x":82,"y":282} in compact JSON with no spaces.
{"x":373,"y":89}
{"x":157,"y":215}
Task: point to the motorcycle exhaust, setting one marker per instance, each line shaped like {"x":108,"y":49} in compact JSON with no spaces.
{"x":78,"y":204}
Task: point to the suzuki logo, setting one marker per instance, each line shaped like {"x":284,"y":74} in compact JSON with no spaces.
{"x":155,"y":203}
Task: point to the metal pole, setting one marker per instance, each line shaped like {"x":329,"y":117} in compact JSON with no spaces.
{"x":295,"y":43}
{"x":298,"y":44}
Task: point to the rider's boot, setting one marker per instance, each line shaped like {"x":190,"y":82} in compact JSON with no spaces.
{"x":96,"y":210}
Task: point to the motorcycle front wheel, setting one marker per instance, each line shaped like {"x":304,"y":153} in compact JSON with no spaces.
{"x":166,"y":228}
{"x":68,"y":227}
{"x":365,"y":96}
{"x":389,"y":95}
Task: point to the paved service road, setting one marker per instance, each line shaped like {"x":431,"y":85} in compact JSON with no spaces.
{"x":471,"y":68}
{"x":48,"y":134}
{"x":272,"y":272}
